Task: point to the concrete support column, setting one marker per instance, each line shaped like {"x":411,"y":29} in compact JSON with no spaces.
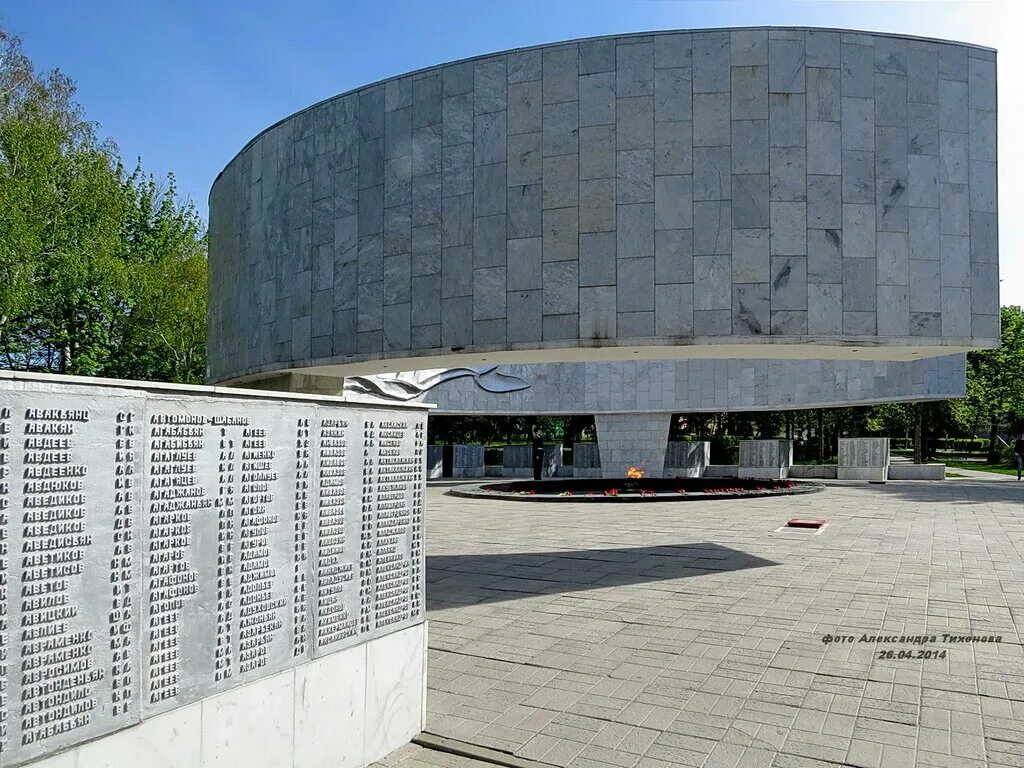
{"x":632,"y":440}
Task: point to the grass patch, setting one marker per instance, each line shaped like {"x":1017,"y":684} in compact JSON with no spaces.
{"x":1001,"y":469}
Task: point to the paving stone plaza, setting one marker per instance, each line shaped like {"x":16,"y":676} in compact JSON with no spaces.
{"x":582,"y":636}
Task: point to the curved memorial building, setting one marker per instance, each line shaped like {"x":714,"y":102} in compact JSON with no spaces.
{"x":746,"y":193}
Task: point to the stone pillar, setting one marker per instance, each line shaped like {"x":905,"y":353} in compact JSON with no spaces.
{"x":864,"y":458}
{"x":765,"y":459}
{"x":687,"y":458}
{"x":632,"y":440}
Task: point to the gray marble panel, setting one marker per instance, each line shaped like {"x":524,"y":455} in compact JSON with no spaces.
{"x":673,"y":88}
{"x":824,"y":202}
{"x":750,"y":256}
{"x":634,"y":69}
{"x":597,"y":260}
{"x":560,"y":284}
{"x":751,"y":308}
{"x":711,"y":62}
{"x":597,"y":99}
{"x":673,"y":309}
{"x":673,"y":257}
{"x":597,"y":312}
{"x":787,"y":122}
{"x":560,"y":73}
{"x":660,"y":143}
{"x":749,"y":146}
{"x":749,"y":93}
{"x":673,"y":148}
{"x":561,"y":234}
{"x":634,"y":126}
{"x":823,"y":95}
{"x":673,"y":202}
{"x":786,"y":60}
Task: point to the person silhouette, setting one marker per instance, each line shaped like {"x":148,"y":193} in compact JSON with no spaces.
{"x":538,"y":456}
{"x":1018,"y":453}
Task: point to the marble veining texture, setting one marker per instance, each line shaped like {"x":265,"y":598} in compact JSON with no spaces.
{"x":346,"y":709}
{"x":706,"y":385}
{"x":675,"y":188}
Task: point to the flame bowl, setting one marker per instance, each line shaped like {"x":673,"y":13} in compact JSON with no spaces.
{"x":648,"y":489}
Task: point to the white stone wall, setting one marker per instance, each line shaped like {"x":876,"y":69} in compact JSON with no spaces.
{"x":863,"y":458}
{"x":676,"y":386}
{"x":586,"y":460}
{"x":632,"y":440}
{"x":468,"y":461}
{"x":345,"y":710}
{"x":687,"y":458}
{"x":784,"y":185}
{"x":765,"y":459}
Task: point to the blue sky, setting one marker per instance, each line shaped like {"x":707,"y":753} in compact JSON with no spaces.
{"x":186,"y":84}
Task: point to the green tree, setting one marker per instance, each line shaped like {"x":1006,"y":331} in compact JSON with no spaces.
{"x":995,"y":378}
{"x":104,"y":272}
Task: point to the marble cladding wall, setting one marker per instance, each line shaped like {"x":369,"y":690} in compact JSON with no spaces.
{"x":345,"y":710}
{"x":863,"y":451}
{"x":632,"y":440}
{"x":718,"y":184}
{"x":706,"y":385}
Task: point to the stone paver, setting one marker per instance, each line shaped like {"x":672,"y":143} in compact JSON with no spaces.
{"x":623,"y":635}
{"x":413,"y":756}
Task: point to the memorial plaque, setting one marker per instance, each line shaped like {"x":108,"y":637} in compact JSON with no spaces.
{"x":221,"y":510}
{"x":70,"y":511}
{"x":338,"y":523}
{"x":5,"y":501}
{"x":370,"y":524}
{"x":394,"y":456}
{"x":160,"y":548}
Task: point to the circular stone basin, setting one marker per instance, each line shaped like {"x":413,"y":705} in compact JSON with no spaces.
{"x":623,"y":489}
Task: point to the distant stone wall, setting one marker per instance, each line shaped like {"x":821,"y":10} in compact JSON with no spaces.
{"x":586,"y":460}
{"x":468,"y":461}
{"x":863,"y":458}
{"x":632,"y":440}
{"x":765,"y":459}
{"x":688,"y":458}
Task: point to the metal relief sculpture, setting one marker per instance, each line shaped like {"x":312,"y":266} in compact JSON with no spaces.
{"x":409,"y":385}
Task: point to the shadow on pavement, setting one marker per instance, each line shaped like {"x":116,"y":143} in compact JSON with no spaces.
{"x":487,"y":578}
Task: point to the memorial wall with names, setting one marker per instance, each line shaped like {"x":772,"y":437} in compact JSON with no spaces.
{"x":159,"y":547}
